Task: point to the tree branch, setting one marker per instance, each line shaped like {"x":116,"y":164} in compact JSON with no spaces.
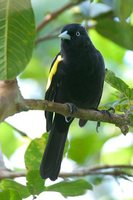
{"x":112,"y":170}
{"x":120,"y":120}
{"x":54,"y":34}
{"x":51,"y":16}
{"x":11,"y":102}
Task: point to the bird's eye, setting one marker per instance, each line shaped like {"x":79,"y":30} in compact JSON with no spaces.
{"x":78,"y":33}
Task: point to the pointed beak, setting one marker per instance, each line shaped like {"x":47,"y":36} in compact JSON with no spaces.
{"x":65,"y":36}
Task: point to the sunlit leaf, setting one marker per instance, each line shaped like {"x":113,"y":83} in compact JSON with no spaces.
{"x":123,"y":9}
{"x":118,"y":84}
{"x":9,"y":184}
{"x":110,"y":50}
{"x":35,"y":183}
{"x":116,"y":32}
{"x":71,"y":188}
{"x":9,"y":195}
{"x":34,"y":152}
{"x":8,"y":136}
{"x":33,"y":158}
{"x":90,"y":143}
{"x":121,"y":155}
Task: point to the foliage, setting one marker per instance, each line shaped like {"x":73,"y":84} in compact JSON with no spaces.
{"x":16,"y":37}
{"x":110,"y":26}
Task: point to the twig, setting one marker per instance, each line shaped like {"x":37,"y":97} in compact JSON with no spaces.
{"x":16,"y":129}
{"x":51,"y":36}
{"x":120,"y":120}
{"x":51,"y":16}
{"x":45,"y":38}
{"x":10,"y":174}
{"x":112,"y":170}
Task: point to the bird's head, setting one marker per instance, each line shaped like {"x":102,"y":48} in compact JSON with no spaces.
{"x":73,"y":37}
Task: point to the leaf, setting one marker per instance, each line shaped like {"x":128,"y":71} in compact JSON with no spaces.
{"x":34,"y":152}
{"x":8,"y":136}
{"x":93,"y":10}
{"x":71,"y":188}
{"x":35,"y":183}
{"x":8,"y":184}
{"x":33,"y":158}
{"x":116,"y":53}
{"x":96,"y":179}
{"x":9,"y":195}
{"x":123,"y":9}
{"x":121,"y":155}
{"x":131,"y":118}
{"x":108,"y":28}
{"x":17,"y":33}
{"x":90,"y":143}
{"x":118,"y":84}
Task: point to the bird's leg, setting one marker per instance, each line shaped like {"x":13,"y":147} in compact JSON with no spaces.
{"x":105,"y":112}
{"x":97,"y":126}
{"x":108,"y":111}
{"x":72,"y":109}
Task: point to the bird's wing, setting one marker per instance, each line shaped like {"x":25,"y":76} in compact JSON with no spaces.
{"x":52,"y":87}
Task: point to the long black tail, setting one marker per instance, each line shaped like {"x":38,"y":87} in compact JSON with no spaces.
{"x":51,"y":161}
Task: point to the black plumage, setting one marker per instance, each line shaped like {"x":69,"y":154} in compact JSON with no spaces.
{"x":76,"y":76}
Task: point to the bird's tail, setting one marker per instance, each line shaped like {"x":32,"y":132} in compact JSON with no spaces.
{"x":51,"y":161}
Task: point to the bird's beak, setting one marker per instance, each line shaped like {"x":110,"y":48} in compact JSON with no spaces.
{"x":65,"y":36}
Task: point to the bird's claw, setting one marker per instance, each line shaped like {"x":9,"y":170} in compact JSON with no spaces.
{"x":72,"y":109}
{"x":106,"y":112}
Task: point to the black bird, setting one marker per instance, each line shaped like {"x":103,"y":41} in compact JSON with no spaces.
{"x":76,"y":76}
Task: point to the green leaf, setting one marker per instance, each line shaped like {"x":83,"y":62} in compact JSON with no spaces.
{"x":115,"y":55}
{"x":131,"y":118}
{"x":17,"y":33}
{"x":9,"y":195}
{"x":123,"y":9}
{"x":121,"y":155}
{"x":96,"y":179}
{"x":90,"y":142}
{"x":118,"y":84}
{"x":33,"y":158}
{"x":71,"y":188}
{"x":93,"y":10}
{"x":108,"y":28}
{"x":35,"y":183}
{"x":8,"y":136}
{"x":8,"y":184}
{"x":34,"y":152}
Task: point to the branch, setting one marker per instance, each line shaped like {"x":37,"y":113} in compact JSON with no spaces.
{"x":51,"y":16}
{"x":45,"y":38}
{"x":120,"y":120}
{"x":10,"y":174}
{"x":112,"y":170}
{"x":11,"y":102}
{"x":54,"y":34}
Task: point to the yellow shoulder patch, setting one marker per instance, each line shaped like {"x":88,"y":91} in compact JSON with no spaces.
{"x":53,"y":70}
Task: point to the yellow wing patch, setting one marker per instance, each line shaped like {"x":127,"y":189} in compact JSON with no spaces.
{"x":53,"y":70}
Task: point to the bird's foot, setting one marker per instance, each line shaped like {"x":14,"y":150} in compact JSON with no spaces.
{"x":108,"y":111}
{"x":105,"y":112}
{"x":72,"y":109}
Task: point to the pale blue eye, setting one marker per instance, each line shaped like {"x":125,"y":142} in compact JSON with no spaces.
{"x":78,"y":33}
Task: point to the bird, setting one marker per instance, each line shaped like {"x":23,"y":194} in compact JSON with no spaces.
{"x":76,"y":77}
